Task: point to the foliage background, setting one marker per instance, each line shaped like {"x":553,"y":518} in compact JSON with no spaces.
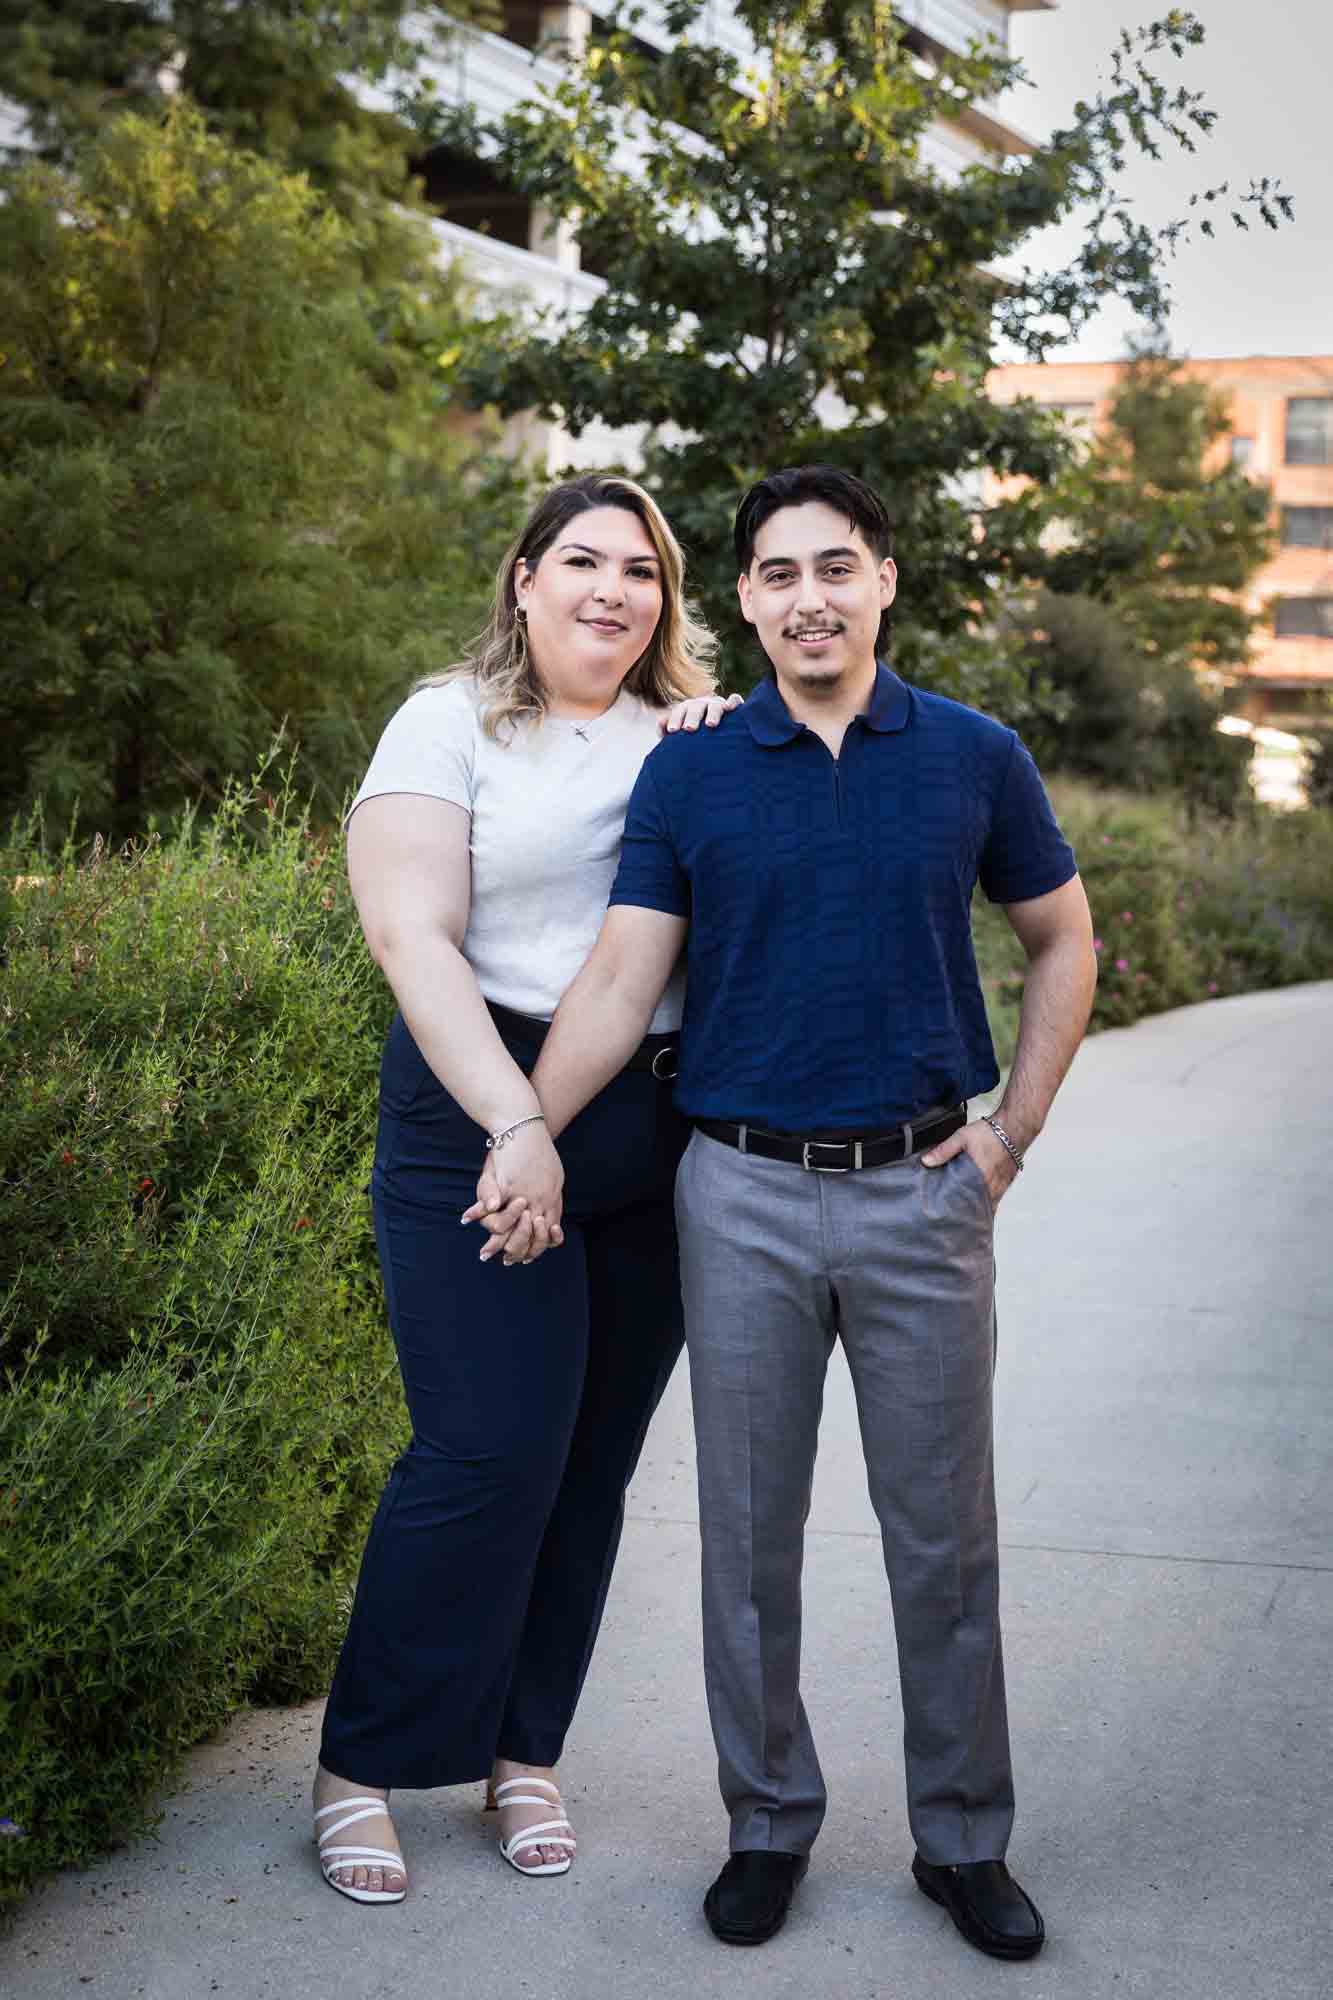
{"x":1187,"y":907}
{"x":199,"y":1399}
{"x":234,"y":490}
{"x":319,"y":87}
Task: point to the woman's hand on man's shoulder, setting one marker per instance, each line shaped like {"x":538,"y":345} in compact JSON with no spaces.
{"x":707,"y":709}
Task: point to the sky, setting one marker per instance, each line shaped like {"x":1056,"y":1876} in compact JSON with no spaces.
{"x":1267,"y":69}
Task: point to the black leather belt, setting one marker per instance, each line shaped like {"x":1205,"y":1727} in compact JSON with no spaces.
{"x":837,"y":1156}
{"x":655,"y":1052}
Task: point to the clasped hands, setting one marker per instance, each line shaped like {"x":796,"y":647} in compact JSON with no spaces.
{"x":520,"y":1192}
{"x":520,"y":1196}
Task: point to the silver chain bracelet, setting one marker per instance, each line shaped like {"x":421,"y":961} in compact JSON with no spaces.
{"x":1004,"y":1139}
{"x":494,"y":1140}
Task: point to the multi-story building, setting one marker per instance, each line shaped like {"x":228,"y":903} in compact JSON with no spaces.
{"x":1280,"y":432}
{"x":509,"y":244}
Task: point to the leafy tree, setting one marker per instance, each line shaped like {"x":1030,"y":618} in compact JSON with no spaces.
{"x":310,"y":84}
{"x":788,"y":279}
{"x":232,"y":486}
{"x":1101,"y":707}
{"x":1151,"y":543}
{"x":1155,"y":530}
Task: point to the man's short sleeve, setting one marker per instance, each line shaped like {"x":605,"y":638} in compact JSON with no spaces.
{"x":650,"y":876}
{"x":427,"y":747}
{"x":1025,"y":855}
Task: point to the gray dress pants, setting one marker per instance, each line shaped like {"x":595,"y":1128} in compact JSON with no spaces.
{"x":897,"y":1262}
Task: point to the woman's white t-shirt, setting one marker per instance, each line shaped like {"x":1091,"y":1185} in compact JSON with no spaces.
{"x":547,"y":801}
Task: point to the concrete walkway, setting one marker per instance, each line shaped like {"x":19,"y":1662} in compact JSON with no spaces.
{"x":1166,"y":1268}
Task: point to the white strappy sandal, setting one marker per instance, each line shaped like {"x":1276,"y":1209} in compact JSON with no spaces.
{"x":332,"y":1860}
{"x":544,"y":1833}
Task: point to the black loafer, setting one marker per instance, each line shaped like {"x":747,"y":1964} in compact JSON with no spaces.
{"x":749,"y":1901}
{"x":986,"y":1904}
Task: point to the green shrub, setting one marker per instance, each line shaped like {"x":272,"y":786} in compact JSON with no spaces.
{"x":200,"y":1397}
{"x":1185,"y":907}
{"x":1103,"y":708}
{"x":1258,"y":899}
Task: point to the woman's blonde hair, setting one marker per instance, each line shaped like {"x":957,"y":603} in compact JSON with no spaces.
{"x":678,"y":659}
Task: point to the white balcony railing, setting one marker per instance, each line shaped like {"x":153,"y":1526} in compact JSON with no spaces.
{"x":717,"y":24}
{"x":494,"y":75}
{"x":471,"y":67}
{"x":950,"y":151}
{"x":516,"y":279}
{"x":955,"y":24}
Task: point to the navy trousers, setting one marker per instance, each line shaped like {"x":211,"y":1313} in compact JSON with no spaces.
{"x":530,"y":1391}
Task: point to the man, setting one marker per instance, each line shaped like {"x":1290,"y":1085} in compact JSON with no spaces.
{"x":820,"y":849}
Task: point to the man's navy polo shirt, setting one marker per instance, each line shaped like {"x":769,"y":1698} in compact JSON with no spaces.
{"x":832,"y":984}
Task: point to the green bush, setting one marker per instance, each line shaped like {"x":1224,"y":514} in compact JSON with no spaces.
{"x":233,"y":485}
{"x":200,"y":1400}
{"x":1185,"y":907}
{"x":1102,"y":708}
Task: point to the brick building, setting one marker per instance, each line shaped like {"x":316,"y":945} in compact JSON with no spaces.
{"x":1281,"y":433}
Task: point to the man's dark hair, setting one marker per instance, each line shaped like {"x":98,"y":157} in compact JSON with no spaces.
{"x":797,"y":484}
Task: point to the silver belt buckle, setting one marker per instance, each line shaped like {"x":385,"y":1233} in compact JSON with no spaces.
{"x":826,"y":1145}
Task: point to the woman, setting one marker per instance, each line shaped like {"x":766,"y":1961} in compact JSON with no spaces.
{"x":481,"y":850}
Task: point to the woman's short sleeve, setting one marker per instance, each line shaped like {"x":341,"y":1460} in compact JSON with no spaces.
{"x":428,"y":747}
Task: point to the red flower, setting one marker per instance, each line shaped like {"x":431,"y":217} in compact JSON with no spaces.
{"x":67,"y":1159}
{"x":303,"y":1222}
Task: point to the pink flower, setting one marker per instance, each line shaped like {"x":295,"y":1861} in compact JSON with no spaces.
{"x":1122,"y":965}
{"x":1212,"y":986}
{"x":1127,"y":916}
{"x":1096,"y":944}
{"x":1106,"y":840}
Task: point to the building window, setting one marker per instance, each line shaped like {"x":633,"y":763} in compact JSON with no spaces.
{"x":1242,"y":451}
{"x":1310,"y":430}
{"x":1077,"y":416}
{"x":1304,"y":618}
{"x":1307,"y":528}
